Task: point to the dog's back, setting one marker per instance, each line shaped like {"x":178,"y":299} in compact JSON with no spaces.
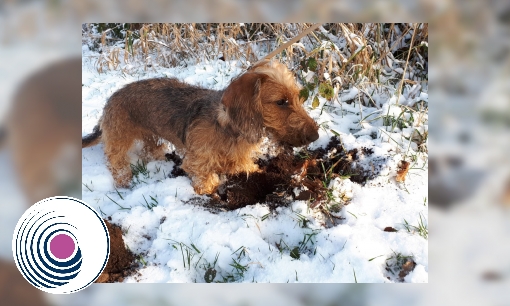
{"x":157,"y":105}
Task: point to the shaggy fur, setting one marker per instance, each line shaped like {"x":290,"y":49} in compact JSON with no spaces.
{"x":217,"y":131}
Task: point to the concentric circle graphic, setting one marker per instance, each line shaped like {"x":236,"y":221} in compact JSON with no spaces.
{"x":61,"y":245}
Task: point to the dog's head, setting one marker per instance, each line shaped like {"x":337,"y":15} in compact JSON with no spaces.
{"x":267,"y":96}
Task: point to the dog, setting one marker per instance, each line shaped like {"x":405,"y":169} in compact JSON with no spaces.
{"x":218,"y":132}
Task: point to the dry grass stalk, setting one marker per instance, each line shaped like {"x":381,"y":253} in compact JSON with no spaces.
{"x":405,"y":66}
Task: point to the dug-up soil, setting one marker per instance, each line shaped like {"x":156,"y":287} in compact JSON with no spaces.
{"x":279,"y":177}
{"x":121,"y":262}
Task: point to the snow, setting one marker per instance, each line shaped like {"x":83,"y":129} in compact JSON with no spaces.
{"x":351,"y":94}
{"x":173,"y":231}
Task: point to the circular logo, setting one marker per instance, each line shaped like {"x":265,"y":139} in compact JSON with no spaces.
{"x":61,"y":245}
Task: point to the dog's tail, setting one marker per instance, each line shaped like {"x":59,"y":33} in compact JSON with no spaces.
{"x":92,"y":139}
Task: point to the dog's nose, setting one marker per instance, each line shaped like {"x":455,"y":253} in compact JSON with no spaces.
{"x":312,"y":135}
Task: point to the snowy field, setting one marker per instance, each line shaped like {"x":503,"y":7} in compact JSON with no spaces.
{"x":176,"y":241}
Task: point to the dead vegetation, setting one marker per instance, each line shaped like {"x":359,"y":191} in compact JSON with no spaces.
{"x":347,"y":52}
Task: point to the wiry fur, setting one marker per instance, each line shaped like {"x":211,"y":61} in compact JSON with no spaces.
{"x":218,"y":131}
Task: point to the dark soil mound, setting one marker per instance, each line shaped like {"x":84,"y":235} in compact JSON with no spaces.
{"x":310,"y":172}
{"x":121,"y":262}
{"x":176,"y":171}
{"x":272,"y":185}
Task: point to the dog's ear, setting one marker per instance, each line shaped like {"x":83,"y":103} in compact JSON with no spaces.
{"x":243,"y":107}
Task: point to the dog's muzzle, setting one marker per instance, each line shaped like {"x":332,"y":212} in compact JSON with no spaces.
{"x":312,"y":136}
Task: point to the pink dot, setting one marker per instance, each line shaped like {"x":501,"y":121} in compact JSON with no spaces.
{"x":62,"y":246}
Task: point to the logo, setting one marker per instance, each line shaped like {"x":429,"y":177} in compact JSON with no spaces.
{"x":61,"y":245}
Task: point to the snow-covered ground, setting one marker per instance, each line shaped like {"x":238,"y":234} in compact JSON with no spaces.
{"x":182,"y":242}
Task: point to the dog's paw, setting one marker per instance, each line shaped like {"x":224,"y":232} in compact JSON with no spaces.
{"x":253,"y":168}
{"x":215,"y":196}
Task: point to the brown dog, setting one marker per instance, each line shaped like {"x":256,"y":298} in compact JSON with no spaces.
{"x":217,"y":131}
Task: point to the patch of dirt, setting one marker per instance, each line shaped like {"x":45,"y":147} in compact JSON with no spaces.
{"x":163,"y":219}
{"x":399,"y":266}
{"x":121,"y":262}
{"x":390,"y":229}
{"x":176,"y":171}
{"x":274,"y":185}
{"x":367,"y":151}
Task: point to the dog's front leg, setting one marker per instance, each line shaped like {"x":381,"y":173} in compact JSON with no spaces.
{"x":204,"y":180}
{"x":206,"y":184}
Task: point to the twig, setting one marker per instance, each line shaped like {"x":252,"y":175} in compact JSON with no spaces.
{"x":290,"y":42}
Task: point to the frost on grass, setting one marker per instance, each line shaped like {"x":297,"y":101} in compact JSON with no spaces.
{"x":344,"y":209}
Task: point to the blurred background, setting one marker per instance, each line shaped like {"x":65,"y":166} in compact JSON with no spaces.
{"x":469,"y":175}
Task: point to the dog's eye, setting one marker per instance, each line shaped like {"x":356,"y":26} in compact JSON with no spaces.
{"x":282,"y":102}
